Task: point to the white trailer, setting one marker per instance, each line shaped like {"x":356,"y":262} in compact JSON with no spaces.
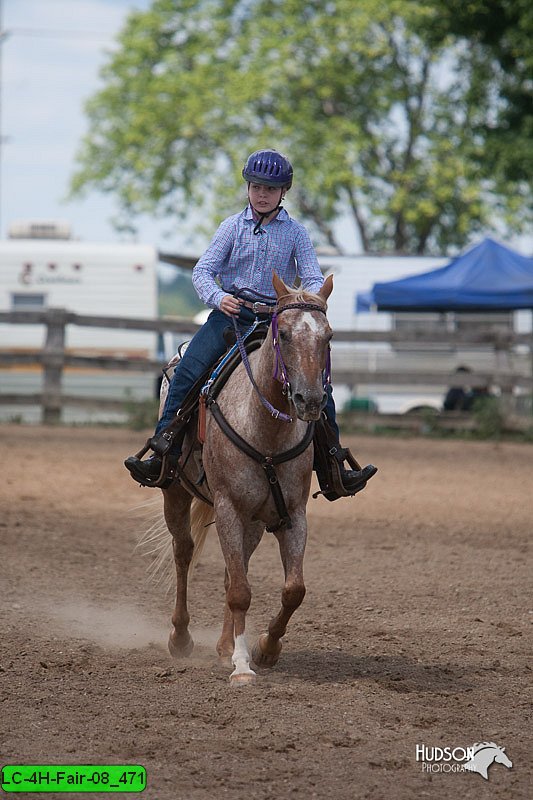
{"x":116,"y":280}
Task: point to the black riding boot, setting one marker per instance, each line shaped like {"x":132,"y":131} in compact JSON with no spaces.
{"x":159,"y":470}
{"x":335,"y":479}
{"x":150,"y":472}
{"x":354,"y":480}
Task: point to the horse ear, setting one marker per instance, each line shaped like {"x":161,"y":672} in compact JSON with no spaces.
{"x":279,"y":286}
{"x":327,"y":288}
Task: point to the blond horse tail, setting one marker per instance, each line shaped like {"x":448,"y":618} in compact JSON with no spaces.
{"x":156,"y":543}
{"x":201,"y":519}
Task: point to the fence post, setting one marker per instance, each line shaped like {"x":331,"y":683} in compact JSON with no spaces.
{"x":53,"y":361}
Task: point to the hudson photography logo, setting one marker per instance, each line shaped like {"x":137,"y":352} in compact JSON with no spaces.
{"x":477,"y":758}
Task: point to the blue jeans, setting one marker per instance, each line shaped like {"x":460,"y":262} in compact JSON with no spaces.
{"x":203,"y":351}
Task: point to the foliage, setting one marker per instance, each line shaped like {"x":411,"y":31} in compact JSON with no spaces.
{"x":178,"y":297}
{"x":383,"y":119}
{"x":140,"y":414}
{"x":489,"y":417}
{"x":502,"y":31}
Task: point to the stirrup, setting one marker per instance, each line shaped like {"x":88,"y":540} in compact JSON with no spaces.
{"x":167,"y":473}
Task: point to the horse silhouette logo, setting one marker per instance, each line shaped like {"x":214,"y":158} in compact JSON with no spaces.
{"x":485,"y":754}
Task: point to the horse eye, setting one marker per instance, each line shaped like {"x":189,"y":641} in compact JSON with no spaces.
{"x":285,"y":336}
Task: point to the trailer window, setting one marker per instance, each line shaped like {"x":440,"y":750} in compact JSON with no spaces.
{"x":27,"y":302}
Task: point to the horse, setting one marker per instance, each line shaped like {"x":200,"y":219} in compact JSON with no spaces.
{"x":486,"y":753}
{"x":245,"y":503}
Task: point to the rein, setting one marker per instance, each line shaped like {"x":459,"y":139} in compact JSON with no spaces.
{"x":244,"y":355}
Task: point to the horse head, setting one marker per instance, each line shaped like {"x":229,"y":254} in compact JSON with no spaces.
{"x":486,"y":753}
{"x":502,"y":758}
{"x":303,"y":337}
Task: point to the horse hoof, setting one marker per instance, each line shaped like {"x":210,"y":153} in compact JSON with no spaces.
{"x":243,"y":679}
{"x":225,"y":661}
{"x":179,"y":649}
{"x":265,"y":653}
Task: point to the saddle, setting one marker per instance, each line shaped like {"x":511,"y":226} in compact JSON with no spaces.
{"x":188,"y":415}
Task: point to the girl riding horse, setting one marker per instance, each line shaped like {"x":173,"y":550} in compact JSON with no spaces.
{"x":243,"y":255}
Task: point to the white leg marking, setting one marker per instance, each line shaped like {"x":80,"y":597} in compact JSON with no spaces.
{"x":241,"y":657}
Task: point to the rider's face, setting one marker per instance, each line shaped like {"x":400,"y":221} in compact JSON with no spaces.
{"x":265,"y":198}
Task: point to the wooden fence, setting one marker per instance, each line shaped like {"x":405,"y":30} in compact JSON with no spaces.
{"x":53,"y":357}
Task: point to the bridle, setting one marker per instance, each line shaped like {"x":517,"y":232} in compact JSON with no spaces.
{"x":280,"y":370}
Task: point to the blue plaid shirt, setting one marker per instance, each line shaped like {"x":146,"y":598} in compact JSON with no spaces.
{"x":241,"y":259}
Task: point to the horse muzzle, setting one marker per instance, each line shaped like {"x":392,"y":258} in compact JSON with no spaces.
{"x":309,"y":405}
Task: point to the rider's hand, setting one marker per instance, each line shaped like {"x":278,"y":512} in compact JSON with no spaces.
{"x":230,"y":305}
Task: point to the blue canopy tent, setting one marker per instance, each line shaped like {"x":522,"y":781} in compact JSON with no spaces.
{"x":487,"y":277}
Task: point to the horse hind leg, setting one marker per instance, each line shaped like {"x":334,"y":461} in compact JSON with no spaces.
{"x":177,"y":516}
{"x":180,"y":641}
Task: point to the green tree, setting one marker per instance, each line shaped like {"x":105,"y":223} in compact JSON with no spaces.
{"x":376,"y":116}
{"x":502,"y":32}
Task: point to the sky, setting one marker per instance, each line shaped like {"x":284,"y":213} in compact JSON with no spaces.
{"x":50,"y":55}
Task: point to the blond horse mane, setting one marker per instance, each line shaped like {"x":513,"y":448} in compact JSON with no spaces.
{"x":301,"y":296}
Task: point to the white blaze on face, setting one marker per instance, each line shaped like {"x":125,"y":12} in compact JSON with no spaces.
{"x":305,"y":321}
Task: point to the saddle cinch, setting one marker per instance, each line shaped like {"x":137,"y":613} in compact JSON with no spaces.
{"x":328,"y":458}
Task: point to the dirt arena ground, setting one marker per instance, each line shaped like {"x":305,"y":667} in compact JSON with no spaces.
{"x":416,"y":629}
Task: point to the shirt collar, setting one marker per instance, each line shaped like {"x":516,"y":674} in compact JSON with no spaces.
{"x":282,"y":215}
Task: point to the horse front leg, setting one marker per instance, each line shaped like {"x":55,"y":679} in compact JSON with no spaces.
{"x":266,"y":651}
{"x":177,"y":516}
{"x":226,"y":642}
{"x":238,"y":598}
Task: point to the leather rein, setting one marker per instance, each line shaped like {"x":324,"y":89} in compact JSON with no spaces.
{"x":269,"y":463}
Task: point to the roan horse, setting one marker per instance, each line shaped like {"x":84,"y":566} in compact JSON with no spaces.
{"x":243,"y":502}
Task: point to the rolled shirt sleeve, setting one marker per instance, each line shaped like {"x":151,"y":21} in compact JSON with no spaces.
{"x":210,"y":263}
{"x":307,"y":262}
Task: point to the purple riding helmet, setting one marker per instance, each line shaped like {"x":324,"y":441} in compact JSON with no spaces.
{"x":269,"y":168}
